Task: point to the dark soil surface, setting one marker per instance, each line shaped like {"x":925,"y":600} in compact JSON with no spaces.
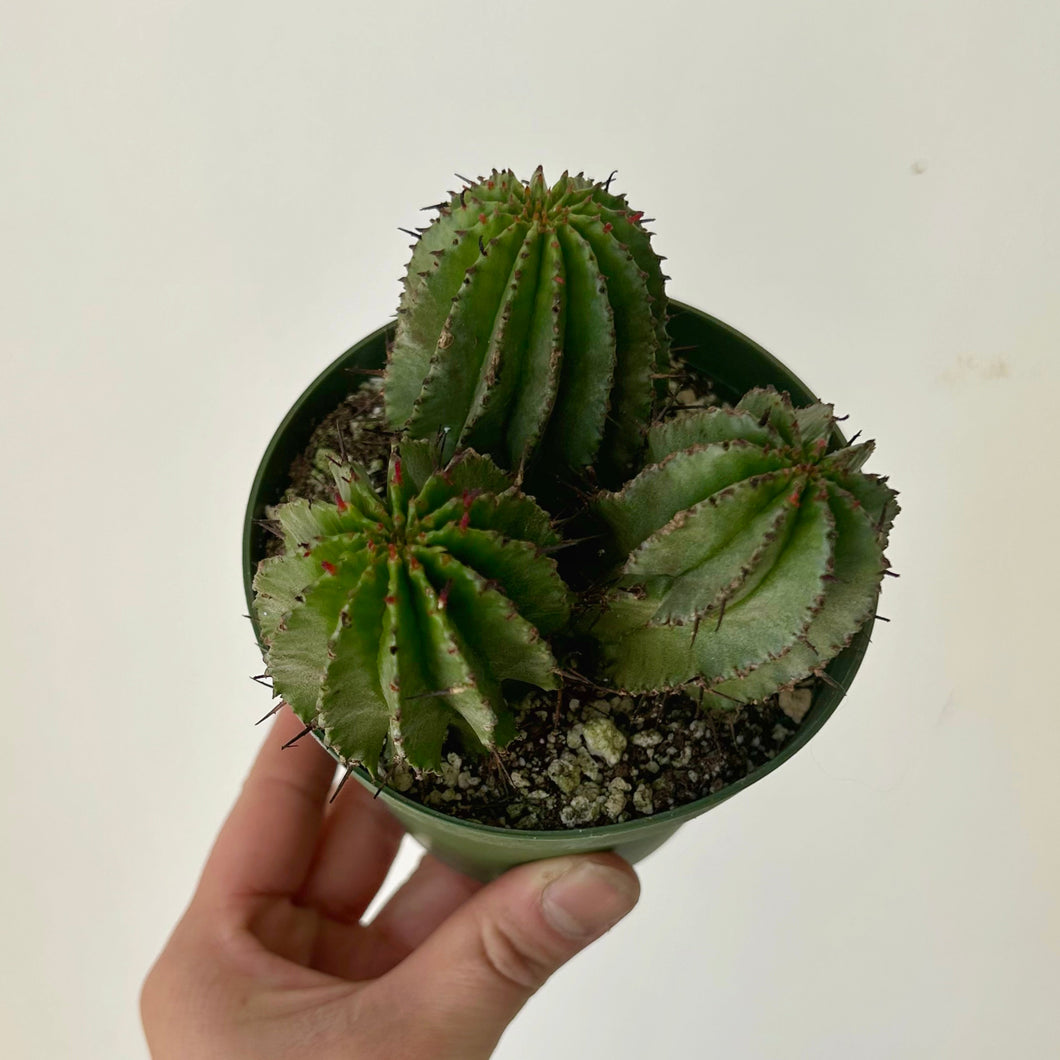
{"x":356,"y":431}
{"x":592,"y":757}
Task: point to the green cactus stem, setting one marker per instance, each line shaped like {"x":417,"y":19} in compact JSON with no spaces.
{"x":532,"y":321}
{"x":752,"y":555}
{"x":390,"y":619}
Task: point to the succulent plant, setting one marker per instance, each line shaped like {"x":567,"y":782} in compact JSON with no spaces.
{"x":752,"y":554}
{"x":531,"y":323}
{"x":390,"y":619}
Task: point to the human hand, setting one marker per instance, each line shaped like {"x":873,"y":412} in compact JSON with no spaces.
{"x":271,"y":960}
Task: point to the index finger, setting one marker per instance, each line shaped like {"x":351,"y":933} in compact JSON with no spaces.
{"x":267,"y":843}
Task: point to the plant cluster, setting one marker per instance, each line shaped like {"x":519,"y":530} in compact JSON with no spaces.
{"x":736,"y":551}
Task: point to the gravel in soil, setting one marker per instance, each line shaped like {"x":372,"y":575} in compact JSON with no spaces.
{"x":585,"y":756}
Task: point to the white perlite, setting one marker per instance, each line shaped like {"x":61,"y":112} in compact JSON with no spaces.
{"x":451,"y":769}
{"x":648,"y":738}
{"x":565,"y":774}
{"x":580,"y":810}
{"x":400,"y":776}
{"x":615,"y":802}
{"x":603,"y":739}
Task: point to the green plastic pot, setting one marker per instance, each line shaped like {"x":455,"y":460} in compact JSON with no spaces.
{"x":735,"y":364}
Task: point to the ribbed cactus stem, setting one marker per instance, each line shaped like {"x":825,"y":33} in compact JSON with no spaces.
{"x":390,"y":620}
{"x":752,"y":555}
{"x":531,"y":323}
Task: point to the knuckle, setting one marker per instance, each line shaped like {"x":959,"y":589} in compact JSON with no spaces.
{"x":513,"y":959}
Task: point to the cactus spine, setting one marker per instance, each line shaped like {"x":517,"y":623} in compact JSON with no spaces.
{"x":752,"y":554}
{"x":531,"y":322}
{"x":390,"y":619}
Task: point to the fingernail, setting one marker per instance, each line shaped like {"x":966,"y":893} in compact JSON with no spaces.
{"x":588,"y":899}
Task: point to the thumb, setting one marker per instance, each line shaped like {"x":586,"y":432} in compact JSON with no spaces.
{"x":474,"y":973}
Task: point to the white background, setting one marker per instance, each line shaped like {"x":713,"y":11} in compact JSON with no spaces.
{"x":199,"y":205}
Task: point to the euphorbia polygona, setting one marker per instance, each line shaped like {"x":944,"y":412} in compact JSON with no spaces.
{"x":752,"y":554}
{"x":532,"y":322}
{"x":532,"y":329}
{"x":390,"y":619}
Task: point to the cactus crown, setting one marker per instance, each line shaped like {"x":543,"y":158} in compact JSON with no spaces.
{"x":531,"y":323}
{"x":752,"y":554}
{"x":393,"y":618}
